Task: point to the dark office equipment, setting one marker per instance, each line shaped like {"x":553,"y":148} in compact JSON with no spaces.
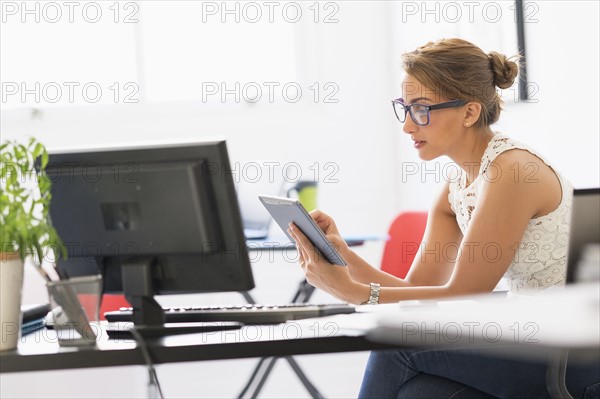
{"x":159,"y":219}
{"x":520,"y":19}
{"x":247,"y":314}
{"x":33,"y":317}
{"x":585,"y":227}
{"x":34,"y":312}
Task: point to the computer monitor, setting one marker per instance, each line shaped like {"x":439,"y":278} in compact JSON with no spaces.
{"x":153,"y":219}
{"x":585,"y":227}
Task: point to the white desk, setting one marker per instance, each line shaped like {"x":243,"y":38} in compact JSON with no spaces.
{"x":561,"y":318}
{"x":546,"y":325}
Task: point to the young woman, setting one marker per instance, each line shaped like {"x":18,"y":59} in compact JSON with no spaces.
{"x":505,"y":195}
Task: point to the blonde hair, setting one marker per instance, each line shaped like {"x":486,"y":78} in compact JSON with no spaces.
{"x":459,"y":70}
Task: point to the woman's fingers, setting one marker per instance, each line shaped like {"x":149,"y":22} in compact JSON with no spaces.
{"x":338,"y":242}
{"x":318,"y":214}
{"x":324,"y":221}
{"x":300,"y":237}
{"x":301,"y":244}
{"x":303,"y":258}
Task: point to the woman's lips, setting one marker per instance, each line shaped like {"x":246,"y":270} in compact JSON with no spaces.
{"x":418,"y":144}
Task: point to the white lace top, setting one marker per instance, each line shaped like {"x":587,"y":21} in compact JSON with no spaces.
{"x":541,"y":259}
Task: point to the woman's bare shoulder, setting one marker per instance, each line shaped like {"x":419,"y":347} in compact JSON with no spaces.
{"x":521,"y":173}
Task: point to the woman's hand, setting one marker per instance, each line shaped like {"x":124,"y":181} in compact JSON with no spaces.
{"x":360,"y":271}
{"x":326,"y":223}
{"x":321,"y":274}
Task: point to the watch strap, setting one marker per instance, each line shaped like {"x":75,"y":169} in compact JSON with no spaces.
{"x":373,"y":294}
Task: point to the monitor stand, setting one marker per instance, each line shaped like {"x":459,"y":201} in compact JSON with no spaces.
{"x":148,"y":316}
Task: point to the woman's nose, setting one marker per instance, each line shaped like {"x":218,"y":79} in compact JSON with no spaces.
{"x":409,"y":125}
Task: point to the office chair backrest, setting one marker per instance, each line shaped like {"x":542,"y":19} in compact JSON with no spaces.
{"x":405,"y":236}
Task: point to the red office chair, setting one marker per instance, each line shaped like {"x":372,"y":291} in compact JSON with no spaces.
{"x":406,"y":233}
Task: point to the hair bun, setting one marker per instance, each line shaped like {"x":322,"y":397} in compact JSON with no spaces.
{"x":505,"y":70}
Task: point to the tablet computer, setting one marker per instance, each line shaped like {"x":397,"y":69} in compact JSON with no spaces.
{"x":286,"y":211}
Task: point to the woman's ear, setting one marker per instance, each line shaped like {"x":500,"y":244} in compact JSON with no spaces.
{"x":472,"y":113}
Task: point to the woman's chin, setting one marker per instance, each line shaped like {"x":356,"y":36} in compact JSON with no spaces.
{"x":427,"y":156}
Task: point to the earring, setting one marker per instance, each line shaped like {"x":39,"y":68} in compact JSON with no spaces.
{"x":467,"y":124}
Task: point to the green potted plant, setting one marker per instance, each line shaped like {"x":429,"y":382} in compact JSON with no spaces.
{"x":26,"y":230}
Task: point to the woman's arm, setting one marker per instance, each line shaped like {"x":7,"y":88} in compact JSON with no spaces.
{"x":432,"y":264}
{"x":505,"y":206}
{"x":361,"y":271}
{"x":358,"y":268}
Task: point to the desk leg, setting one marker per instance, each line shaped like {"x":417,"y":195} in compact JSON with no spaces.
{"x":248,"y":297}
{"x":303,"y":293}
{"x":314,"y":392}
{"x":261,"y":372}
{"x":265,"y":364}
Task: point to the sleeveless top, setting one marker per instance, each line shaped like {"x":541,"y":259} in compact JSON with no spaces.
{"x":541,"y":258}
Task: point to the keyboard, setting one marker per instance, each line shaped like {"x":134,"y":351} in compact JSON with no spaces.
{"x":247,"y":314}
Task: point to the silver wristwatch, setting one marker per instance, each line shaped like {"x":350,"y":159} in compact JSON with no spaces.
{"x":374,"y":294}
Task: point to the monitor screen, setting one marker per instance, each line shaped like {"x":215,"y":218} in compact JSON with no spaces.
{"x":171,"y":207}
{"x":585,"y":229}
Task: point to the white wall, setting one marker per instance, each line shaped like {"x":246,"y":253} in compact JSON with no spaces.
{"x":564,"y":124}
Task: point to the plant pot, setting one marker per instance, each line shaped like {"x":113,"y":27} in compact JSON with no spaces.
{"x":11,"y":287}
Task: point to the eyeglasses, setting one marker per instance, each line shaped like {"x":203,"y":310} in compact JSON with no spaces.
{"x":419,"y":113}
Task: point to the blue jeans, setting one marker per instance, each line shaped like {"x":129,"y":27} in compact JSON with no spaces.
{"x":467,"y":373}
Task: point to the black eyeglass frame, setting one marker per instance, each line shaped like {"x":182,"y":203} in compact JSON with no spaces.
{"x":429,"y":108}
